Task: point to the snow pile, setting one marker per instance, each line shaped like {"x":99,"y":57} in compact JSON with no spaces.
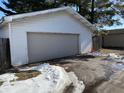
{"x":78,"y":85}
{"x":117,"y":67}
{"x":96,"y":53}
{"x":116,"y":58}
{"x":110,"y":57}
{"x":53,"y":79}
{"x":51,"y":73}
{"x":7,"y":77}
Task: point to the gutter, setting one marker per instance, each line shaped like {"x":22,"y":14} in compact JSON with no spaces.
{"x":30,"y":14}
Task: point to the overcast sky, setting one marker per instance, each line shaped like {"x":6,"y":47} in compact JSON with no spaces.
{"x":106,"y":27}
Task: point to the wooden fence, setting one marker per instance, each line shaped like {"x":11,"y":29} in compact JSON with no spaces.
{"x":5,"y":62}
{"x":97,"y":43}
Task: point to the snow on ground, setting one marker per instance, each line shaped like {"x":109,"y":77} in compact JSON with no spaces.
{"x":113,"y":57}
{"x":53,"y":79}
{"x":96,"y":53}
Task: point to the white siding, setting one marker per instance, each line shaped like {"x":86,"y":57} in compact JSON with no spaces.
{"x":50,"y":23}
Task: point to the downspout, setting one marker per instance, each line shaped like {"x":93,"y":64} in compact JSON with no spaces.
{"x":10,"y":37}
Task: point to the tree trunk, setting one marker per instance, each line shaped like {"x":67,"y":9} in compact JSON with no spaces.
{"x":92,"y":12}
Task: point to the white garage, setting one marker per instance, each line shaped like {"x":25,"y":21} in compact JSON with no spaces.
{"x":45,"y":35}
{"x":43,"y":46}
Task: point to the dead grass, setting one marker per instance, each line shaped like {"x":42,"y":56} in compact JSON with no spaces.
{"x":1,"y":82}
{"x":23,"y":75}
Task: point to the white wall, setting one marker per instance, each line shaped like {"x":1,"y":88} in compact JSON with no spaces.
{"x":50,"y":23}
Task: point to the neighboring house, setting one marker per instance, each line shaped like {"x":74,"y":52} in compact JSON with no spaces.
{"x":45,"y":35}
{"x":114,"y":39}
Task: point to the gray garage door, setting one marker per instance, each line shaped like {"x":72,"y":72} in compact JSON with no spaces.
{"x":44,"y":46}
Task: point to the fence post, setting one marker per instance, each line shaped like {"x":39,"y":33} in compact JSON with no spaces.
{"x":97,"y":43}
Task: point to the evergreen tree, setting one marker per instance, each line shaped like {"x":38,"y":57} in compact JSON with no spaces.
{"x":100,"y":12}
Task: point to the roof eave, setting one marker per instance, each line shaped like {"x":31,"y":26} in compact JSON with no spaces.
{"x":68,"y":9}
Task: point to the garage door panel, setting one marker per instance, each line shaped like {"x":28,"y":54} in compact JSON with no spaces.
{"x":44,"y":46}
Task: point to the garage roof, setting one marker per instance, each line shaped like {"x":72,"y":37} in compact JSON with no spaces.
{"x":115,"y":31}
{"x":8,"y":19}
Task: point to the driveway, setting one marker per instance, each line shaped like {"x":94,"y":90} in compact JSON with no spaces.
{"x":96,"y":71}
